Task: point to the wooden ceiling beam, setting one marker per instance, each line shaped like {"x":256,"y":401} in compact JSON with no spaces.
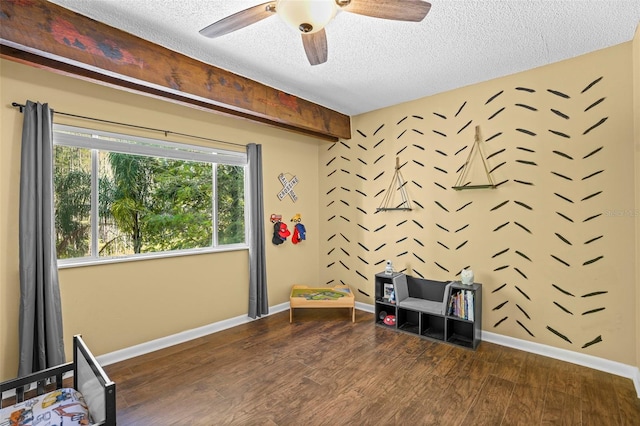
{"x":45,"y":35}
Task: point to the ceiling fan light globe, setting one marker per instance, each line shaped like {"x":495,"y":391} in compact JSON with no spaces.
{"x":306,"y":16}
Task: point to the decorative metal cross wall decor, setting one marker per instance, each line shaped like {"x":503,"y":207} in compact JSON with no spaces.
{"x":288,"y":187}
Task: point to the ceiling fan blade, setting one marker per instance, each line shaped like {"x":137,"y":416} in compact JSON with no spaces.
{"x":397,"y":10}
{"x":239,"y":20}
{"x":315,"y":45}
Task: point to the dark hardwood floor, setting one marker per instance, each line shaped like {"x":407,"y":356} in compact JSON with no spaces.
{"x":325,"y":370}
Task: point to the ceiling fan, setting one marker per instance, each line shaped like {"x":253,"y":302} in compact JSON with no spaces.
{"x":309,"y":17}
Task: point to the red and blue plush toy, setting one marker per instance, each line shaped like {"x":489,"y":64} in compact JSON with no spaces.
{"x":299,"y":231}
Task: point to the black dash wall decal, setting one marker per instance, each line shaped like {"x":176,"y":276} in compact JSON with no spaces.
{"x":556,"y":132}
{"x":361,"y":177}
{"x":494,"y":96}
{"x":461,"y":107}
{"x":402,"y":222}
{"x":361,"y":134}
{"x":593,"y":311}
{"x":525,"y":328}
{"x":526,"y":132}
{"x":563,"y":308}
{"x":330,"y":161}
{"x":362,"y":292}
{"x":331,"y":202}
{"x":564,"y":216}
{"x":345,"y":266}
{"x":441,"y":206}
{"x":523,"y":227}
{"x":419,"y":242}
{"x":499,"y":288}
{"x":592,"y":174}
{"x":560,"y":114}
{"x":439,"y":133}
{"x":462,"y":245}
{"x":523,"y":311}
{"x":359,"y":273}
{"x":440,"y":115}
{"x":560,"y":260}
{"x":376,"y":145}
{"x":441,"y":267}
{"x":501,"y":226}
{"x":345,"y":158}
{"x":345,"y":252}
{"x":380,"y":246}
{"x":497,"y":167}
{"x":364,"y":195}
{"x":402,"y":254}
{"x":417,"y":223}
{"x":499,"y":253}
{"x":527,"y":162}
{"x":330,"y":251}
{"x":591,"y":195}
{"x":441,"y":153}
{"x":331,"y":264}
{"x":442,"y":227}
{"x":562,"y":154}
{"x":525,"y":89}
{"x":419,"y":258}
{"x":562,"y":290}
{"x":558,"y":93}
{"x":527,"y":107}
{"x":332,"y":172}
{"x":592,"y":153}
{"x":590,"y":261}
{"x":380,"y":261}
{"x":331,"y":218}
{"x":563,"y":197}
{"x":522,"y":292}
{"x":500,"y":322}
{"x":500,"y":151}
{"x":401,"y":134}
{"x":594,"y":104}
{"x":461,"y":149}
{"x":593,"y":239}
{"x":592,"y":342}
{"x":378,"y":129}
{"x":465,"y":126}
{"x":331,"y":147}
{"x":419,"y":147}
{"x":418,"y":274}
{"x":493,"y":136}
{"x":440,"y":170}
{"x":599,"y":123}
{"x":418,"y":117}
{"x":593,"y":83}
{"x":495,"y":113}
{"x":401,"y":240}
{"x":592,"y":217}
{"x":465,"y":205}
{"x":521,"y":273}
{"x":499,"y":205}
{"x":460,"y":229}
{"x":379,"y":192}
{"x":501,"y":183}
{"x":362,"y":147}
{"x":418,"y":131}
{"x":401,"y":120}
{"x":418,"y":204}
{"x":363,"y":261}
{"x":519,"y":253}
{"x":562,"y":176}
{"x":560,"y":335}
{"x":460,"y":168}
{"x":345,"y":144}
{"x":378,"y":159}
{"x":344,"y":202}
{"x":363,"y":246}
{"x":500,"y":305}
{"x":345,"y":189}
{"x":522,"y":148}
{"x":500,"y":268}
{"x":564,"y":240}
{"x":595,"y":293}
{"x":378,"y":176}
{"x":521,"y":204}
{"x":365,"y":228}
{"x":345,"y":238}
{"x":439,"y":185}
{"x":345,"y":171}
{"x":416,"y":184}
{"x":523,"y":182}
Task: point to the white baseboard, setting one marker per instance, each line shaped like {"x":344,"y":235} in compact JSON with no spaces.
{"x":590,"y":361}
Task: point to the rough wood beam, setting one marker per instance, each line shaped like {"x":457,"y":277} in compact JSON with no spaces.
{"x":45,"y":35}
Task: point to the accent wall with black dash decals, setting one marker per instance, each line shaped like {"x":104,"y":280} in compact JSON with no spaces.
{"x":541,"y":242}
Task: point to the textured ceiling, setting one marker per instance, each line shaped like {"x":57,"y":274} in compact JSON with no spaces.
{"x":374,"y":63}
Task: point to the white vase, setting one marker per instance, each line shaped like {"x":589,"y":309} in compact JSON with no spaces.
{"x":466,"y":276}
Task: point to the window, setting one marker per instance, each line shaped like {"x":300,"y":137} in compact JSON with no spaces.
{"x":123,"y":196}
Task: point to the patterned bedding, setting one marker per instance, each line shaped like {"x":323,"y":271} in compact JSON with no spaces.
{"x":60,"y":407}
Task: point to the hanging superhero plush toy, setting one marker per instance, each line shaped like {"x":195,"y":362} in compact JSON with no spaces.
{"x":299,"y":231}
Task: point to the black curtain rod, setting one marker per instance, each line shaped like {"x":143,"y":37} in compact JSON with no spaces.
{"x":166,"y":132}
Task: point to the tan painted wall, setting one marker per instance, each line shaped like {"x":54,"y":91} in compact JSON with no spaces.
{"x":552,"y":245}
{"x":119,"y":305}
{"x":636,"y":120}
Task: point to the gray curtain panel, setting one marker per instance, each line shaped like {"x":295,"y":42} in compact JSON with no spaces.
{"x":258,"y":303}
{"x":40,"y":322}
